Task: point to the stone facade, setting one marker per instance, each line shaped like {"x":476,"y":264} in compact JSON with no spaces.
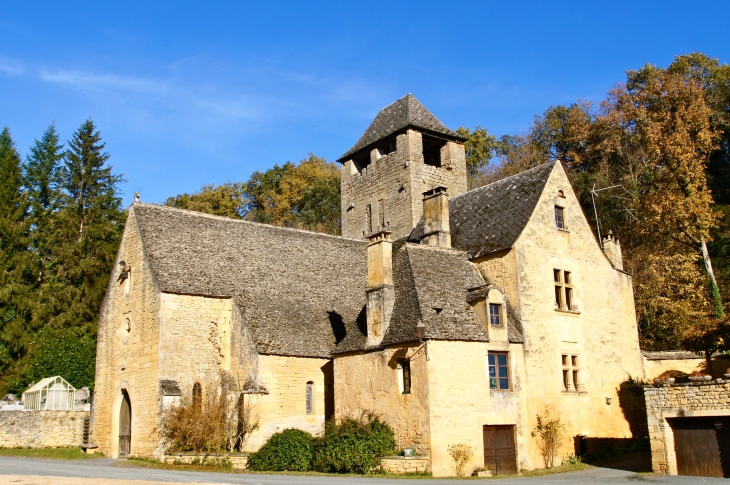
{"x":398,"y":180}
{"x":687,"y":400}
{"x":41,"y":429}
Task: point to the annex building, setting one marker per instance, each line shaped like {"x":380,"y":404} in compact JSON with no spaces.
{"x":456,"y":315}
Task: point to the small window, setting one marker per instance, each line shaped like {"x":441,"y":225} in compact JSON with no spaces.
{"x":404,"y":366}
{"x":559,"y":217}
{"x":310,"y":397}
{"x":572,"y":374}
{"x":498,"y":371}
{"x":495,"y":314}
{"x":381,"y":214}
{"x":197,"y":396}
{"x":561,"y":194}
{"x":564,"y":291}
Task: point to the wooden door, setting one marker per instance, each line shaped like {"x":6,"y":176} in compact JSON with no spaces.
{"x":125,"y":426}
{"x":697,"y":447}
{"x":499,"y":449}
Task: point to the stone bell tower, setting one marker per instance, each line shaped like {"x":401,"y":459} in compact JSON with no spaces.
{"x":404,"y":152}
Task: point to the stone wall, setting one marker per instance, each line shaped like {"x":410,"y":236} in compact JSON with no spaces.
{"x":602,"y":333}
{"x":369,"y":383}
{"x":693,"y":399}
{"x":399,"y":180}
{"x":41,"y":429}
{"x":128,"y":360}
{"x":285,"y":379}
{"x":401,"y":465}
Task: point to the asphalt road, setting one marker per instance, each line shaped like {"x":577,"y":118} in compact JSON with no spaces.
{"x":111,"y":469}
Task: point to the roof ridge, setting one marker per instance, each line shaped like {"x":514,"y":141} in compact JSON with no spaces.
{"x":502,"y":180}
{"x":231,"y":219}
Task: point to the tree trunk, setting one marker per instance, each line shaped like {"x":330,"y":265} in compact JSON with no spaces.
{"x":717,"y":299}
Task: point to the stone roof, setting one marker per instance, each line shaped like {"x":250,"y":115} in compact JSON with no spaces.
{"x":404,"y":113}
{"x":431,"y":286}
{"x":297,"y":291}
{"x":671,"y":355}
{"x":492,"y":217}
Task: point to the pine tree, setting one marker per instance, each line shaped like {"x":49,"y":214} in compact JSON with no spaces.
{"x":85,"y":234}
{"x":41,"y":181}
{"x":13,"y":252}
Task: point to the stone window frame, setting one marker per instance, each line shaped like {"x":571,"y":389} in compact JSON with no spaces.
{"x":560,"y":218}
{"x":496,"y":380}
{"x":405,"y":376}
{"x":309,"y":398}
{"x":497,"y":315}
{"x":572,"y":371}
{"x":565,"y":298}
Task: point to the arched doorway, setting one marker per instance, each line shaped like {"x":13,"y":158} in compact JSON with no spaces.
{"x":125,"y":425}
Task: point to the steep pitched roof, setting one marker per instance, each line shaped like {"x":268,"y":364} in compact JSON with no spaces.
{"x":431,"y":286}
{"x":404,"y":113}
{"x":492,"y":217}
{"x":297,"y":291}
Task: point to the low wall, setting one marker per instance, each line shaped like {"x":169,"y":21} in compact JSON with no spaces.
{"x":401,"y":464}
{"x":693,"y":399}
{"x":239,"y":461}
{"x":41,"y":429}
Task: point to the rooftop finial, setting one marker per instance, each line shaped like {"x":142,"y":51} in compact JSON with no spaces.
{"x":136,"y":196}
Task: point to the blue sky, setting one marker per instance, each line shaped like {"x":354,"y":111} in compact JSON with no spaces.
{"x":193,"y":93}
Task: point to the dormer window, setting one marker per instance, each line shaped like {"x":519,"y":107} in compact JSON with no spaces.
{"x":559,"y":217}
{"x":495,"y":314}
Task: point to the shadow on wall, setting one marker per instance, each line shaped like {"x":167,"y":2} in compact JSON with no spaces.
{"x":630,"y":454}
{"x":633,"y":406}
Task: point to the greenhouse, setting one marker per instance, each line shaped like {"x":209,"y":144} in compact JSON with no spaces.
{"x":50,"y":394}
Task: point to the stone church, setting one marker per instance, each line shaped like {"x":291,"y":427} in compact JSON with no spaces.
{"x":456,"y":315}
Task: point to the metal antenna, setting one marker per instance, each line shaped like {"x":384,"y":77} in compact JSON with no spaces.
{"x":594,"y":194}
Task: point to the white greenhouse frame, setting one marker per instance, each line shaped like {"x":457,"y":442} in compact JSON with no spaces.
{"x":50,"y":394}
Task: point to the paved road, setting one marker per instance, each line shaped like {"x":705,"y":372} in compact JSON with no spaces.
{"x":111,"y":469}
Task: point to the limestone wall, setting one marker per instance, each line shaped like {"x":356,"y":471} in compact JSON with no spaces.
{"x":369,"y":383}
{"x":401,"y":465}
{"x":461,"y":402}
{"x":41,"y":429}
{"x":694,"y":399}
{"x":195,"y":343}
{"x":602,"y":333}
{"x":286,"y":378}
{"x":399,"y":180}
{"x":128,"y":359}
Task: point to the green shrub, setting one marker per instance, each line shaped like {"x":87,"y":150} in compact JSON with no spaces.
{"x":353,"y":446}
{"x":290,"y":450}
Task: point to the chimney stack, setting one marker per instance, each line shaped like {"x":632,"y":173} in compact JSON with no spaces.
{"x":380,"y":292}
{"x":436,"y":218}
{"x":612,"y":248}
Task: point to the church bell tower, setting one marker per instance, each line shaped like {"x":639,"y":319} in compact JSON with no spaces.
{"x":404,"y":152}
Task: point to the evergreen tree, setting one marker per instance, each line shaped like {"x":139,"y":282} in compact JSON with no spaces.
{"x":13,"y":252}
{"x":84,"y":234}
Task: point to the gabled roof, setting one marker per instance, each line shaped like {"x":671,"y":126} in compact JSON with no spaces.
{"x":295,"y":290}
{"x":431,"y":286}
{"x":492,"y":217}
{"x":43,"y":383}
{"x":404,"y":113}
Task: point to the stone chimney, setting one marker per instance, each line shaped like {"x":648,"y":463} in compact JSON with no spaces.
{"x":380,"y":293}
{"x":436,"y":218}
{"x":612,"y":248}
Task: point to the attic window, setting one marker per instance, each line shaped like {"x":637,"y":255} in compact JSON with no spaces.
{"x":495,"y":314}
{"x":561,"y":194}
{"x":559,"y":217}
{"x":438,"y":310}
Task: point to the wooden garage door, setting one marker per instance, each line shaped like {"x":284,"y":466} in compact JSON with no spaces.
{"x":499,"y":450}
{"x":702,"y":446}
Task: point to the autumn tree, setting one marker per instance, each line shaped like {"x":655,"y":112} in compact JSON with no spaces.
{"x":227,"y":200}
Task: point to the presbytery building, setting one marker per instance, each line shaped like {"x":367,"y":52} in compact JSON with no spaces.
{"x":456,"y":315}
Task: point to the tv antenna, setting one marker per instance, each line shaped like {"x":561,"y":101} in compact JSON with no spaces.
{"x":594,"y":194}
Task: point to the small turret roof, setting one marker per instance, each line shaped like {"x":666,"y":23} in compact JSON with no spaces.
{"x":404,"y":113}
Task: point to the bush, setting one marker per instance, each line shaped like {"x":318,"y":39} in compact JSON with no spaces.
{"x":460,"y":454}
{"x":550,"y":431}
{"x":199,"y":427}
{"x":290,"y":450}
{"x":354,"y":445}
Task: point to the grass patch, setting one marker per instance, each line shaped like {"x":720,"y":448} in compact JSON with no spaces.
{"x":70,"y":453}
{"x":197,"y":467}
{"x":568,"y":467}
